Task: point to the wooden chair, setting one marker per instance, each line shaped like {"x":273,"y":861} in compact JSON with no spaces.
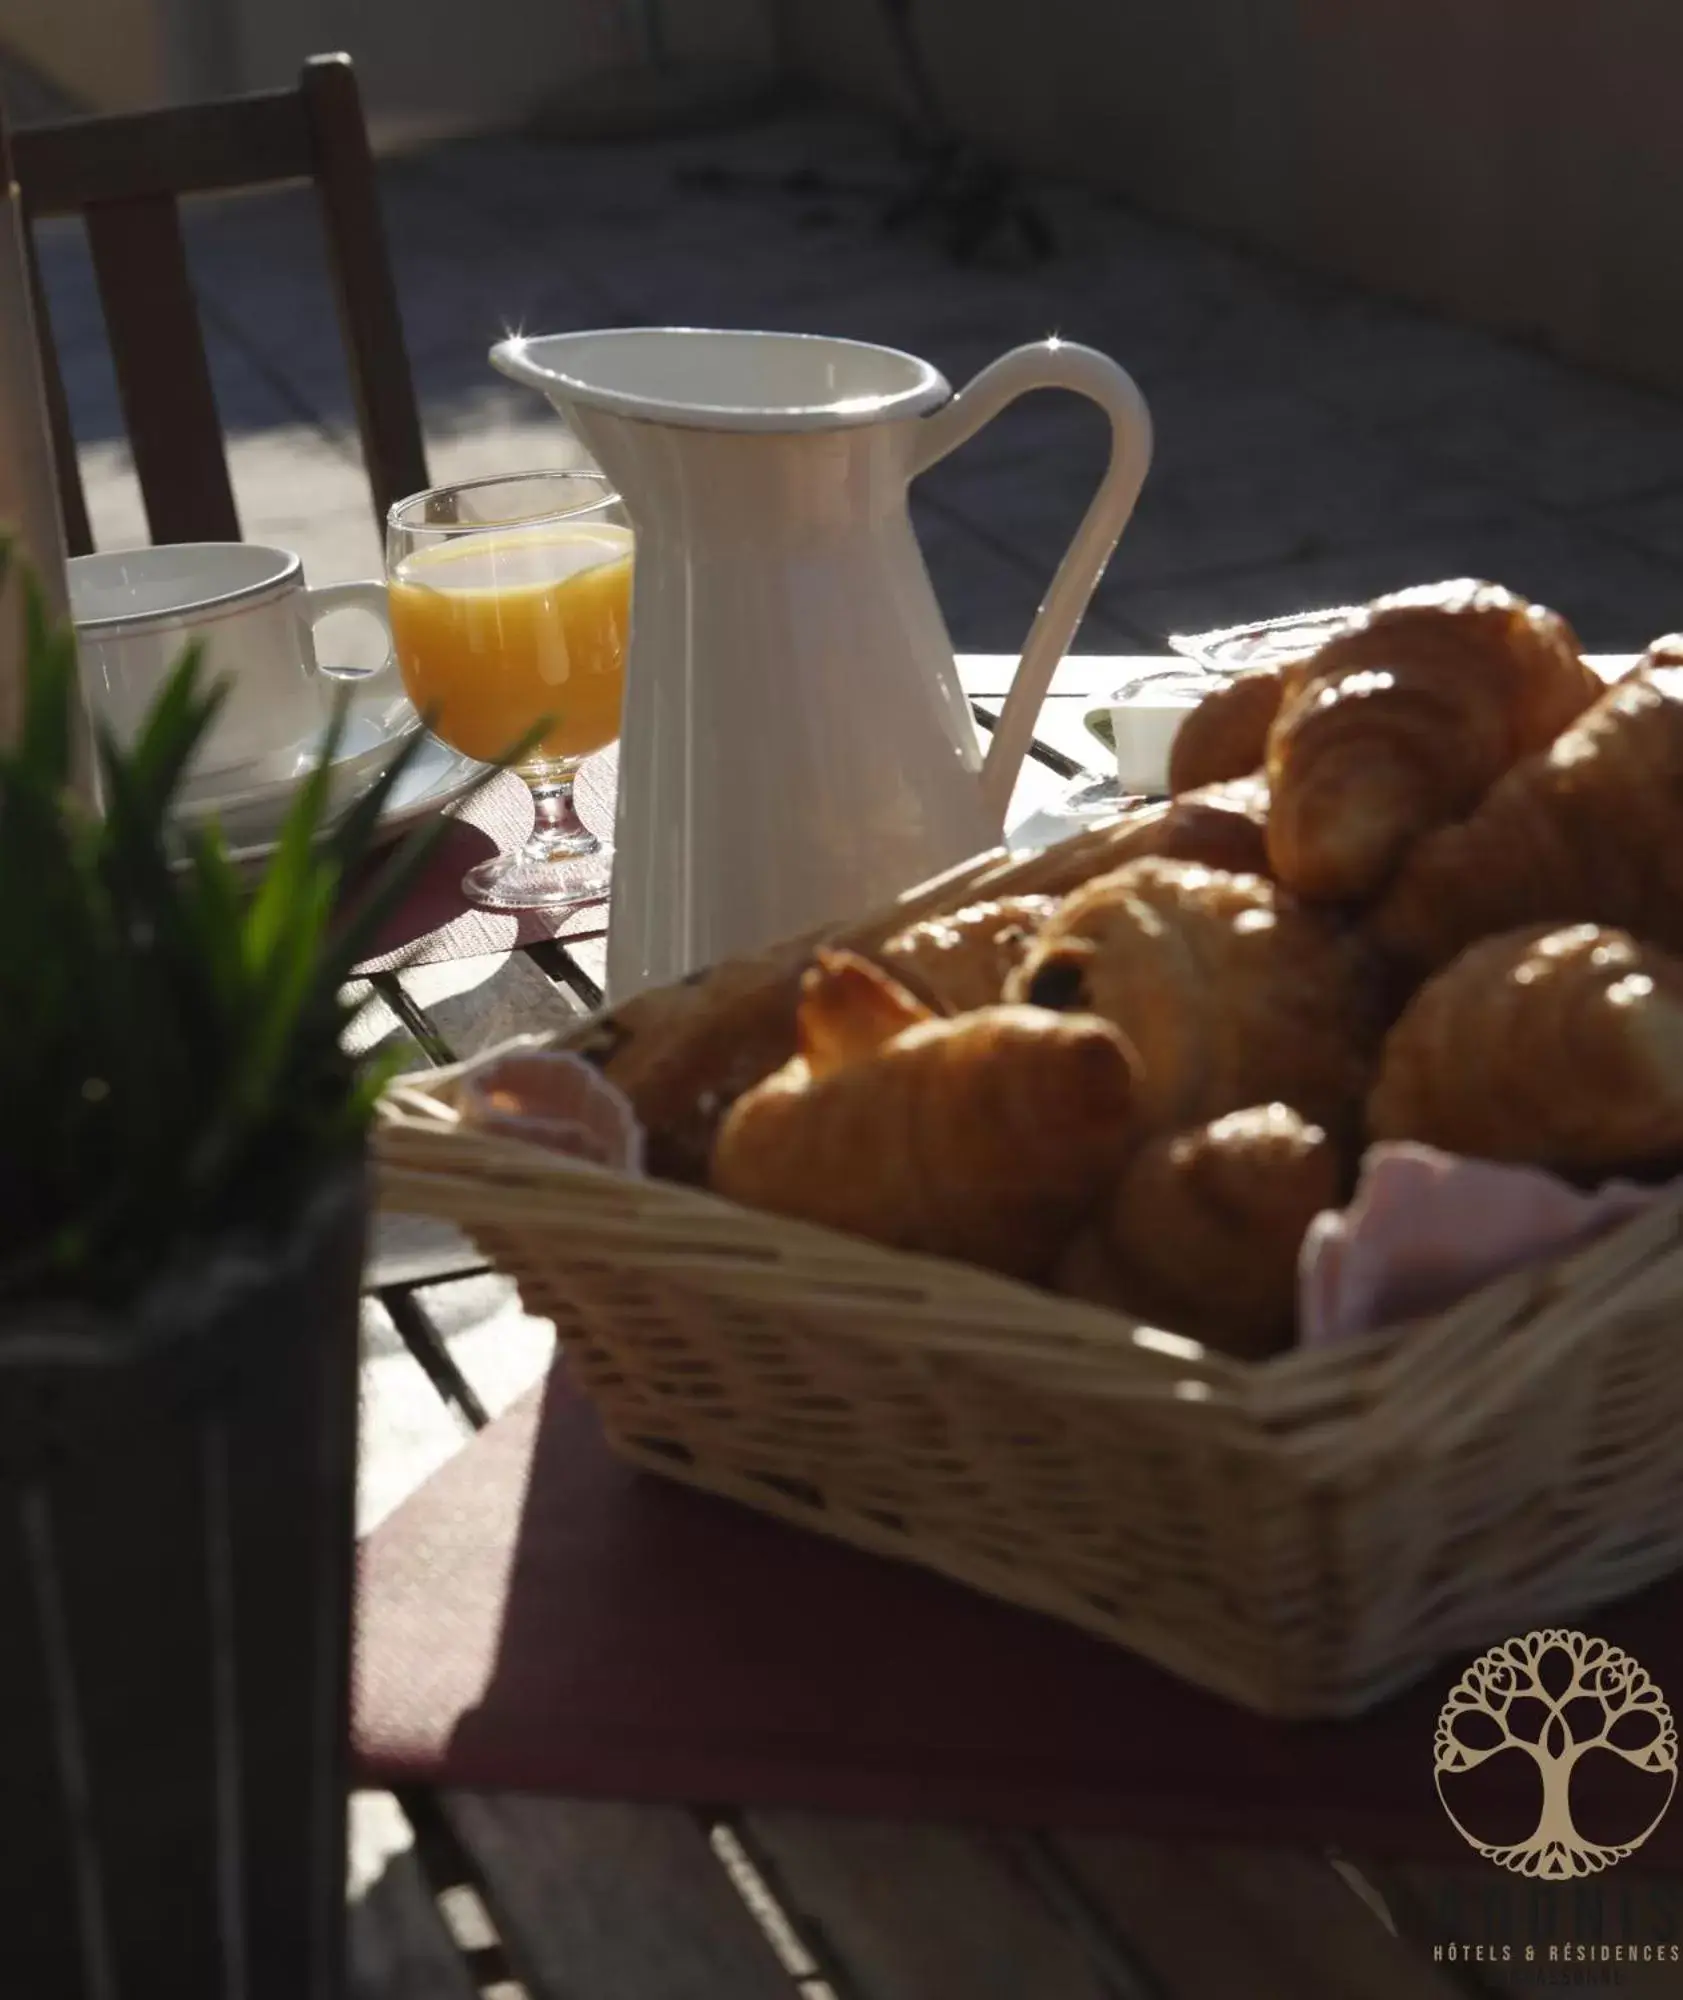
{"x":124,"y":175}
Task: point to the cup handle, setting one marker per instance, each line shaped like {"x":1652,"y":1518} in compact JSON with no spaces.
{"x":1049,"y":364}
{"x":325,"y":598}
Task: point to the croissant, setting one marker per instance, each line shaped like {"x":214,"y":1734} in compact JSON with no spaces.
{"x":1222,"y":826}
{"x":1591,"y":831}
{"x":682,"y":1054}
{"x":1226,"y":735}
{"x":1559,"y":1048}
{"x":848,"y":1009}
{"x":988,"y":1138}
{"x":1230,"y":992}
{"x":1401,"y":724}
{"x":955,"y":963}
{"x":1202,"y":1234}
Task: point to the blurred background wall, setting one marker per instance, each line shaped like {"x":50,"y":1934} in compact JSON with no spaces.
{"x":429,"y":68}
{"x":1516,"y":162}
{"x":109,"y":54}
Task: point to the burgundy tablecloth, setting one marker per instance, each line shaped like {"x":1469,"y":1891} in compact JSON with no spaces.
{"x":543,"y":1617}
{"x":437,"y":922}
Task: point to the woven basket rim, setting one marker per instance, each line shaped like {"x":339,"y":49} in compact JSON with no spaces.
{"x":1319,"y":1399}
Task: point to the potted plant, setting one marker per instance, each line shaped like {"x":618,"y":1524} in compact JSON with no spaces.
{"x":182,"y":1208}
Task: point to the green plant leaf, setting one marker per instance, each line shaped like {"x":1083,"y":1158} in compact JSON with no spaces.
{"x":172,"y":1064}
{"x":355,"y":836}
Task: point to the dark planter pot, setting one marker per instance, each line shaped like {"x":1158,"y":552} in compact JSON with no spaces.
{"x":177,"y":1512}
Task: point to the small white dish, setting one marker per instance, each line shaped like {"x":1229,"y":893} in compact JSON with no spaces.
{"x":1139,"y":723}
{"x":1265,"y":642}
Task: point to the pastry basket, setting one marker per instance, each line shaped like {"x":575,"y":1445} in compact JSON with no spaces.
{"x":1302,"y":1536}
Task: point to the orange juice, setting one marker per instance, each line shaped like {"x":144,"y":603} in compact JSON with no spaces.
{"x":494,"y":631}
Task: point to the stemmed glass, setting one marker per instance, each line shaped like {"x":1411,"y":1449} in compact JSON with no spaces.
{"x":510,"y":606}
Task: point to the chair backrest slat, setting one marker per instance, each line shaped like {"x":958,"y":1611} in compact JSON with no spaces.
{"x":123,"y":175}
{"x":369,"y":320}
{"x":188,"y":149}
{"x":140,"y":260}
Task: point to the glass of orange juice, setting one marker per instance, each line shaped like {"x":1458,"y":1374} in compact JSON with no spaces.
{"x":510,"y":603}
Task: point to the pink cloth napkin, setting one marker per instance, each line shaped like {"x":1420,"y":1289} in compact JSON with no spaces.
{"x":1426,"y":1228}
{"x":552,"y":1099}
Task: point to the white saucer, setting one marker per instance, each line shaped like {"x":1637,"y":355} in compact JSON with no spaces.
{"x":437,"y":777}
{"x":250,"y":797}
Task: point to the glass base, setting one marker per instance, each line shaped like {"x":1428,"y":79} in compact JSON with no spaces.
{"x":526,"y":881}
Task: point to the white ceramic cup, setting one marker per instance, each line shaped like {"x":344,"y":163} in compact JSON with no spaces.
{"x":249,"y":607}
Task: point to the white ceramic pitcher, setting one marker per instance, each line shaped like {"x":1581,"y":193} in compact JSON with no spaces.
{"x":796,"y":746}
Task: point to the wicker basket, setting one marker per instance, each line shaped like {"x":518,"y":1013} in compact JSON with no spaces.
{"x":1303,"y":1536}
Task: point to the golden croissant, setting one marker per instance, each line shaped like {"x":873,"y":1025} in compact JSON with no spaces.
{"x":1591,"y":831}
{"x":682,"y":1054}
{"x":1560,"y":1048}
{"x":991,"y":1137}
{"x":955,"y":963}
{"x":1402,"y":722}
{"x":1226,"y":735}
{"x":1203,"y":1232}
{"x":1222,"y":826}
{"x":1230,"y":992}
{"x":848,"y":1009}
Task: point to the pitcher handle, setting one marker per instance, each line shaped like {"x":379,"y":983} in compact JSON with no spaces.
{"x":1049,"y":364}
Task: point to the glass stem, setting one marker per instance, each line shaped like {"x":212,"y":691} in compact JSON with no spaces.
{"x":557,"y":829}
